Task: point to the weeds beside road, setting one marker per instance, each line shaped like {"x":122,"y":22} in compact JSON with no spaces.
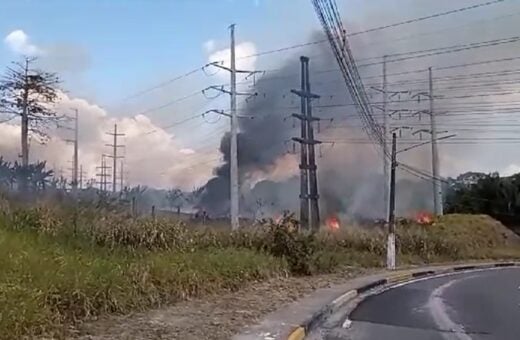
{"x":52,"y":278}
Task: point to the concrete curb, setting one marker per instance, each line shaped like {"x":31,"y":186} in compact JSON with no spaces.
{"x":305,"y":327}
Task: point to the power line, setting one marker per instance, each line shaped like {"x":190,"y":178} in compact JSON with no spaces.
{"x":169,"y":126}
{"x":437,"y":15}
{"x":451,"y":48}
{"x":165,"y":83}
{"x":198,"y":69}
{"x":156,"y":108}
{"x":379,"y":28}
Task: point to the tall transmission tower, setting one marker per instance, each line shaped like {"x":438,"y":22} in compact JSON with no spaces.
{"x":235,"y":221}
{"x":386,"y":163}
{"x":309,"y":197}
{"x":386,"y":131}
{"x":313,"y":180}
{"x":436,"y":180}
{"x":437,"y":188}
{"x":114,"y":155}
{"x":233,"y":170}
{"x":304,"y":178}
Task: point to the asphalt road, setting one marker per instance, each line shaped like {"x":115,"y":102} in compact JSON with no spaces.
{"x":479,"y":305}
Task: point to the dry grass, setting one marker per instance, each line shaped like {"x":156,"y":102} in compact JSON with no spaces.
{"x":45,"y":285}
{"x":51,"y":277}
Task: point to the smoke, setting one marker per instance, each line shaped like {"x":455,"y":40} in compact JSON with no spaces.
{"x":350,"y":174}
{"x":153,"y":156}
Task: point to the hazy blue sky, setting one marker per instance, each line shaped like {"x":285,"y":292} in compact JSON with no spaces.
{"x":120,"y":46}
{"x":106,"y":50}
{"x":128,"y":41}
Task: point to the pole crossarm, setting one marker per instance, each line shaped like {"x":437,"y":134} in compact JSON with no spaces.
{"x":306,"y":141}
{"x":221,"y":88}
{"x":302,"y":117}
{"x":425,"y":143}
{"x":305,"y":94}
{"x":218,"y":64}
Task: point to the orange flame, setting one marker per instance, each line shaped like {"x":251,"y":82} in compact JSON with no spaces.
{"x":424,"y":217}
{"x":332,"y":223}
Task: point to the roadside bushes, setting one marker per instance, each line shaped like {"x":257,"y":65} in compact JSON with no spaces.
{"x":58,"y":267}
{"x":47,"y":284}
{"x":451,"y":237}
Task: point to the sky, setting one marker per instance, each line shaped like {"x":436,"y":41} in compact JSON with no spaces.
{"x":134,"y":41}
{"x":108,"y":51}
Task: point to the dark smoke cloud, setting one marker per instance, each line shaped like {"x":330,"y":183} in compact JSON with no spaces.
{"x":349,"y":175}
{"x":265,"y":138}
{"x":260,"y":142}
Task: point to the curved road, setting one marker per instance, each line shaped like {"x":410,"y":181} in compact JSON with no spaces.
{"x":477,"y":305}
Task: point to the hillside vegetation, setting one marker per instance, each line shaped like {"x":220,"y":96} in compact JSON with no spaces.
{"x":58,"y":268}
{"x":490,"y":194}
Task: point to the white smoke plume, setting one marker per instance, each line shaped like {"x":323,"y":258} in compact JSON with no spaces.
{"x":152,"y":155}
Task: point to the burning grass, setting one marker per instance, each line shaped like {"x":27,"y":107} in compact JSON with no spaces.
{"x":51,"y":277}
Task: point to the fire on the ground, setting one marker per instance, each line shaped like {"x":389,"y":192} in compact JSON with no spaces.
{"x":424,"y":217}
{"x":332,"y":223}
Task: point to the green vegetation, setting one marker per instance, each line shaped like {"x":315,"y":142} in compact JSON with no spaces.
{"x":52,"y":276}
{"x":490,"y":194}
{"x":45,"y":284}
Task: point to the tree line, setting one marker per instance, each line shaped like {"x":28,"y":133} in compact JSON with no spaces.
{"x":29,"y":93}
{"x":478,"y":193}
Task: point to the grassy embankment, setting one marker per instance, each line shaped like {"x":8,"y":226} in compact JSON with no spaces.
{"x":51,"y":278}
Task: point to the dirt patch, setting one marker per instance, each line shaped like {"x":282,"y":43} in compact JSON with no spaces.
{"x":215,"y":317}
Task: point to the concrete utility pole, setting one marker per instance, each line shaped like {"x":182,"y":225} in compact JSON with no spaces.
{"x":114,"y":155}
{"x":386,"y":162}
{"x":235,"y":224}
{"x":390,"y":245}
{"x":81,"y":173}
{"x":308,"y":168}
{"x":233,"y":169}
{"x":121,"y":177}
{"x":75,"y":162}
{"x":437,"y":188}
{"x":386,"y":96}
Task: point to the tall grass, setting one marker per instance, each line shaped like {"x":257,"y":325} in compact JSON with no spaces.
{"x":45,"y":284}
{"x":53,"y":275}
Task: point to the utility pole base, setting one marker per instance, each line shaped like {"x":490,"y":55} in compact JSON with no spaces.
{"x":390,"y":252}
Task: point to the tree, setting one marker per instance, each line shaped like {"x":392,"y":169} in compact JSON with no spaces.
{"x":35,"y":175}
{"x":6,"y":174}
{"x":39,"y":177}
{"x":175,"y":198}
{"x":29,"y":93}
{"x":489,"y":194}
{"x":194,"y":196}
